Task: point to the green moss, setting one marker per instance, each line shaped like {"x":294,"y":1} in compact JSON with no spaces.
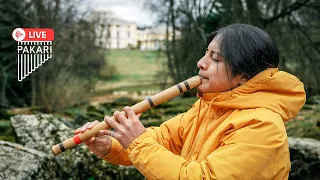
{"x":306,"y":124}
{"x":8,"y":138}
{"x":6,"y":132}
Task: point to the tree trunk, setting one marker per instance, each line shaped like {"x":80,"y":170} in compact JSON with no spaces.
{"x":3,"y":99}
{"x":254,"y":13}
{"x":33,"y":91}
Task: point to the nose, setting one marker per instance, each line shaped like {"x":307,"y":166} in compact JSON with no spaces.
{"x":201,"y":63}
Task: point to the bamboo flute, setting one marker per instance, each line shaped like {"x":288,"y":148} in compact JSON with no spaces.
{"x":137,"y":108}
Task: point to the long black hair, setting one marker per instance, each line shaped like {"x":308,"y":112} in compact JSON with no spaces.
{"x":247,"y":49}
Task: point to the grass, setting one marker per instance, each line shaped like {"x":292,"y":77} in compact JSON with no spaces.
{"x":132,"y":71}
{"x":135,"y":65}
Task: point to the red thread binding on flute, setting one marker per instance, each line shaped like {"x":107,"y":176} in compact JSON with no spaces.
{"x":77,"y":139}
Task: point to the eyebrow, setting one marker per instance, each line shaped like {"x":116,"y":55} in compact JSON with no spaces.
{"x":213,"y":52}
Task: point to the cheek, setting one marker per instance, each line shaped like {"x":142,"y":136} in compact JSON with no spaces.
{"x":218,"y":72}
{"x":219,"y":76}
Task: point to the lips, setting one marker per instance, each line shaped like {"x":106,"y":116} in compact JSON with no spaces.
{"x":202,"y":77}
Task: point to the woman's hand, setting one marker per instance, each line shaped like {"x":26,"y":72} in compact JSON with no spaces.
{"x":99,"y":145}
{"x":127,"y":129}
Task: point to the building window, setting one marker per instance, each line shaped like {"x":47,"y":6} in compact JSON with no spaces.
{"x":129,"y":34}
{"x":118,"y":34}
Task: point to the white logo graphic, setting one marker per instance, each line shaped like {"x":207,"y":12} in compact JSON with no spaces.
{"x":18,"y":34}
{"x":34,"y":49}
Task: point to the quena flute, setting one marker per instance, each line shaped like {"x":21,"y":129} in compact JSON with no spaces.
{"x":137,"y":108}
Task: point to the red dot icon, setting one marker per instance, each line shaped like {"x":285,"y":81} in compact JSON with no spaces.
{"x":18,"y":34}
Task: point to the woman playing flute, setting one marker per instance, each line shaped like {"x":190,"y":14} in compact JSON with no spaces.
{"x":235,"y":130}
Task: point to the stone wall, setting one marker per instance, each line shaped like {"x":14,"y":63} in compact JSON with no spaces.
{"x":31,"y":158}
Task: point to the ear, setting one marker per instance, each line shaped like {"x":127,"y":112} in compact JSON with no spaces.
{"x":242,"y":80}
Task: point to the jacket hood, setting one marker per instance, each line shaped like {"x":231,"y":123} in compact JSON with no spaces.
{"x":276,"y":90}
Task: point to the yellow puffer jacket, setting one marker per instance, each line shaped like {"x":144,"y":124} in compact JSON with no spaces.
{"x":239,"y":134}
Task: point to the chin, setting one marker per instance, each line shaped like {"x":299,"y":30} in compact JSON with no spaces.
{"x":201,"y":90}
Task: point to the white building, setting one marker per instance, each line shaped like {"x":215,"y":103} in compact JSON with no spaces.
{"x":151,"y":38}
{"x":115,"y":33}
{"x":121,"y":34}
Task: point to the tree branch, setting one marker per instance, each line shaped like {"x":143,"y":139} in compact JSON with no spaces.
{"x":287,"y":11}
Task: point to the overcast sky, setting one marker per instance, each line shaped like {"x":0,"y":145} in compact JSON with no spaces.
{"x":130,"y":10}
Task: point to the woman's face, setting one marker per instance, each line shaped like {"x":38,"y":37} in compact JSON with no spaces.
{"x":213,"y":71}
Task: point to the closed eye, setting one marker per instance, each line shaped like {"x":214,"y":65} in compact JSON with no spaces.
{"x":217,"y":59}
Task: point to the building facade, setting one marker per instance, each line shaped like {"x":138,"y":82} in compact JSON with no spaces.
{"x":151,"y":38}
{"x":121,"y":35}
{"x":126,"y":35}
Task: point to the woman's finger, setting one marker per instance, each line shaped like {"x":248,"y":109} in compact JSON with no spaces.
{"x":90,"y":141}
{"x":120,"y":116}
{"x":80,"y":129}
{"x":91,"y":125}
{"x":131,"y":114}
{"x":112,"y":123}
{"x":103,"y":133}
{"x":77,"y":131}
{"x":85,"y":127}
{"x":139,"y":115}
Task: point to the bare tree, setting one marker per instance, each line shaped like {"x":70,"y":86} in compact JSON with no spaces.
{"x":293,"y":24}
{"x":77,"y":55}
{"x":186,"y":35}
